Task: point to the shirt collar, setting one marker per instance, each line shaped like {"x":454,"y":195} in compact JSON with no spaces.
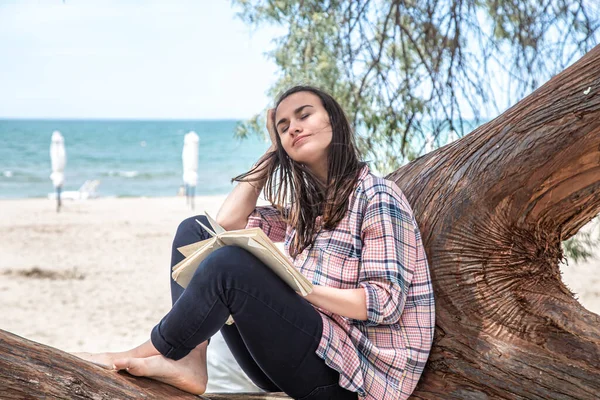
{"x":363,"y":173}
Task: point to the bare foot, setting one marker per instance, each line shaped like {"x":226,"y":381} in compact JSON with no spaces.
{"x":188,"y":374}
{"x":107,"y":360}
{"x":104,"y":360}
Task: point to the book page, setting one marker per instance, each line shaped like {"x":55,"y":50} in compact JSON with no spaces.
{"x":206,"y":228}
{"x":192,"y":248}
{"x":262,"y":238}
{"x":263,"y":254}
{"x":253,"y":240}
{"x":281,"y":247}
{"x":183,"y":271}
{"x":263,"y":248}
{"x":218,"y":228}
{"x":267,"y":246}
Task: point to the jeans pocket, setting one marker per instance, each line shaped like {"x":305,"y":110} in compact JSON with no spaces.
{"x":329,"y":392}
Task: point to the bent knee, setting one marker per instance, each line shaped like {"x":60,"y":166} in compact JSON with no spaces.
{"x":190,"y":224}
{"x":229,"y":260}
{"x":232,"y":265}
{"x":189,"y":231}
{"x":228,"y":255}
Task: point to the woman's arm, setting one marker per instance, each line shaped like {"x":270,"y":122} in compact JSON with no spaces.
{"x":350,"y":303}
{"x":387,"y":264}
{"x":240,"y":203}
{"x":388,"y":255}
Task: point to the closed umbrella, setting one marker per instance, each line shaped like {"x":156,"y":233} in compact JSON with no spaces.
{"x":189,"y":157}
{"x":58,"y":159}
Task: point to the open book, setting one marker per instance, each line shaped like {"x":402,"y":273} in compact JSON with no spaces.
{"x":253,"y":240}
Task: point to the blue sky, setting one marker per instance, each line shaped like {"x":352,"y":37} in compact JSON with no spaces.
{"x":131,"y":59}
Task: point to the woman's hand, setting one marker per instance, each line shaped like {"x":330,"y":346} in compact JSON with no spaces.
{"x":272,"y":135}
{"x":271,"y":129}
{"x":240,"y":203}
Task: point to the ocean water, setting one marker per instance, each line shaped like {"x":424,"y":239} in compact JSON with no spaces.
{"x":129,"y":158}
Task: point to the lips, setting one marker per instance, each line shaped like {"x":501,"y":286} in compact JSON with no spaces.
{"x":298,"y":139}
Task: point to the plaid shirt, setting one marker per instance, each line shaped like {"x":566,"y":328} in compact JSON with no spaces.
{"x":376,"y":246}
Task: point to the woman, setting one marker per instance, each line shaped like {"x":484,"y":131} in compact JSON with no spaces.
{"x":367,"y":327}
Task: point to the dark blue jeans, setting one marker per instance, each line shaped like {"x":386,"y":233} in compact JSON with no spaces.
{"x":276,"y":331}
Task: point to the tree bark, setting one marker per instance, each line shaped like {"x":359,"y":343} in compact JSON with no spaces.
{"x":30,"y":370}
{"x":493,"y":209}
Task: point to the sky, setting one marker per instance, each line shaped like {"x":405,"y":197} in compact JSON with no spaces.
{"x":132,"y":59}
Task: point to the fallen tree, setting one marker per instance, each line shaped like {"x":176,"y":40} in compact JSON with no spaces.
{"x":30,"y":370}
{"x":493,"y":209}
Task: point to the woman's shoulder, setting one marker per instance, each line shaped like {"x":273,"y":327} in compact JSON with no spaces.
{"x":375,"y":192}
{"x":371,"y":186}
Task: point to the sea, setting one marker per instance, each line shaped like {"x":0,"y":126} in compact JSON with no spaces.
{"x":129,"y":158}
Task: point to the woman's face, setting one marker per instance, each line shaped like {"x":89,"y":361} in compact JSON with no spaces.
{"x":304,"y":129}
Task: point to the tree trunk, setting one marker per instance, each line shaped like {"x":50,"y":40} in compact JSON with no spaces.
{"x":30,"y":370}
{"x":493,"y":209}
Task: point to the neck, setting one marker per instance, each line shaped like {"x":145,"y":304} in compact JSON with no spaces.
{"x":320,"y":170}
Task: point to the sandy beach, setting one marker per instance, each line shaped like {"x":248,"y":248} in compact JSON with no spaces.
{"x":95,"y":276}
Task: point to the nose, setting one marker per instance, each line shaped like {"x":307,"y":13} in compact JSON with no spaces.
{"x":294,"y":127}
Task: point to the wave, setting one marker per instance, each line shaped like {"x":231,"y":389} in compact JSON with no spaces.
{"x":141,"y":175}
{"x":122,"y":174}
{"x":97,"y":150}
{"x":24,"y":176}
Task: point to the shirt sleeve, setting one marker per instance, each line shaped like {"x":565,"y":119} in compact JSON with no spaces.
{"x":270,"y":220}
{"x":388,"y":256}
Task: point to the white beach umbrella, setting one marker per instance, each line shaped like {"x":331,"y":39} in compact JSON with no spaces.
{"x":58,"y":159}
{"x":189,"y":157}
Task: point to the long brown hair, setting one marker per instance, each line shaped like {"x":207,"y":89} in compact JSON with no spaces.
{"x":290,"y":182}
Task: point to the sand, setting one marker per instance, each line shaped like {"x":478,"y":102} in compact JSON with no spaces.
{"x":583,"y":278}
{"x":95,"y":276}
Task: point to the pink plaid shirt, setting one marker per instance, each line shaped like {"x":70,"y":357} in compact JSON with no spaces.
{"x":376,"y":246}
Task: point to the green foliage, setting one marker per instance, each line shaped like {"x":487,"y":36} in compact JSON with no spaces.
{"x":409,"y":72}
{"x":413,"y":74}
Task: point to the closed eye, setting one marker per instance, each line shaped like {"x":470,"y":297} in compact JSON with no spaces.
{"x":285,"y":128}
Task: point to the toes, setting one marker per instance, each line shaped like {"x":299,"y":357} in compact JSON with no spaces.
{"x":135,"y":366}
{"x":122,"y":363}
